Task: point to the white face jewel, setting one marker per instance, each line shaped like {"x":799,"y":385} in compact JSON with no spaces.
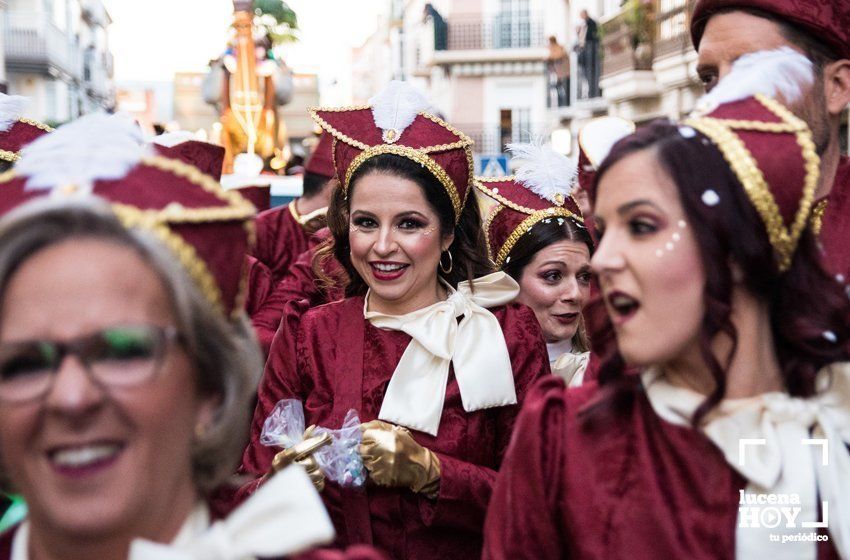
{"x":710,"y":198}
{"x":687,"y":132}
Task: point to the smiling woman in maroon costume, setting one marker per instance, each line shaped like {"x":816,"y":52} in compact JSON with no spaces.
{"x":419,"y":354}
{"x":708,"y":268}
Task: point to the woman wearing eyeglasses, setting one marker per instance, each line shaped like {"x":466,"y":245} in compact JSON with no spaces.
{"x":126,"y":363}
{"x":429,"y":354}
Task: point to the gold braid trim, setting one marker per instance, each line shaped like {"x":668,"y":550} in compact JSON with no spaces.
{"x":463,"y":142}
{"x":237,"y":207}
{"x":526,"y":225}
{"x":6,"y":155}
{"x":817,"y":216}
{"x":36,"y":124}
{"x":488,"y":221}
{"x":721,"y":132}
{"x":132,"y":217}
{"x":416,"y":156}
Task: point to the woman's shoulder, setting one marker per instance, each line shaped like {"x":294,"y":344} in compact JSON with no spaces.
{"x":336,"y":310}
{"x":512,"y":313}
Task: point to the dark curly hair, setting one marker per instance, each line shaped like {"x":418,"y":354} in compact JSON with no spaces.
{"x":804,"y":302}
{"x":469,"y":253}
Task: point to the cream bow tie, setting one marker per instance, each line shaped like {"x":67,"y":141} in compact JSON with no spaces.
{"x":476,"y":346}
{"x":283,"y":517}
{"x":783,"y":446}
{"x":571,"y":367}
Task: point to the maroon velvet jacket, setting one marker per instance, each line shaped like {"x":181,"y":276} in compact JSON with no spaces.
{"x":299,"y":282}
{"x":332,"y":359}
{"x":636,"y":487}
{"x":280,"y":239}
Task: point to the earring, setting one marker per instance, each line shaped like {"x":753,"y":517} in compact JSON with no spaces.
{"x":200,"y":430}
{"x":447,"y":269}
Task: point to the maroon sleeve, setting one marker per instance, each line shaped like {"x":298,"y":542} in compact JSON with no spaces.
{"x":356,"y":552}
{"x":259,"y":288}
{"x":522,"y":521}
{"x":285,"y":377}
{"x":298,"y":283}
{"x":465,"y":488}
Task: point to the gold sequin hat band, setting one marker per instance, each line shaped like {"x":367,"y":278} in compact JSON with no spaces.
{"x":772,"y":153}
{"x":429,"y":141}
{"x":511,"y":210}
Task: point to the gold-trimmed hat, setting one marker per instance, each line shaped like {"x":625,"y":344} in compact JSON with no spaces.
{"x":772,"y":153}
{"x":769,"y":149}
{"x":207,"y":228}
{"x":396,"y":121}
{"x":540,"y":191}
{"x":16,"y":131}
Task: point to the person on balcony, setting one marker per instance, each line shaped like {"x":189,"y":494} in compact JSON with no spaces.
{"x":558,"y":67}
{"x":587,"y":49}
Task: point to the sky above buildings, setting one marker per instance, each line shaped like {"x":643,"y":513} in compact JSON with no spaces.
{"x":152,"y":40}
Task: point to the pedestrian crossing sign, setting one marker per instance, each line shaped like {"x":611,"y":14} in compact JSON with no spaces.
{"x":493,"y":165}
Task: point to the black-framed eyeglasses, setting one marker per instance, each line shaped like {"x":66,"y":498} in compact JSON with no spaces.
{"x":119,"y":356}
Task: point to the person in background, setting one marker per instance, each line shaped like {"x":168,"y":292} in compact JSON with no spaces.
{"x":535,"y":233}
{"x":127,"y":365}
{"x":587,"y":50}
{"x":558,"y":66}
{"x":431,"y":354}
{"x":283,"y":233}
{"x":821,"y":31}
{"x":707,"y":278}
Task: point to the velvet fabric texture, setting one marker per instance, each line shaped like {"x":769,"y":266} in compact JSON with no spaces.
{"x":827,"y":20}
{"x":280,"y":239}
{"x":300,"y":282}
{"x":631,"y":486}
{"x":332,"y":359}
{"x":260,"y":284}
{"x":19,"y":135}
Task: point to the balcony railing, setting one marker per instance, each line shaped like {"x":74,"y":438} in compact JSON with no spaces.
{"x":34,"y":43}
{"x":491,"y":139}
{"x":672,"y":25}
{"x":503,"y":31}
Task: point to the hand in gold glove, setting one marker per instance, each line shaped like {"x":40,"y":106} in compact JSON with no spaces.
{"x":302,"y":454}
{"x":393,"y":458}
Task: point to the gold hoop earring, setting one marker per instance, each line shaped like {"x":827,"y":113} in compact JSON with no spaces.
{"x":447,"y":269}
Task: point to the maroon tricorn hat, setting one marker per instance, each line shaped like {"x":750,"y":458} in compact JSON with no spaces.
{"x":396,"y":122}
{"x":207,"y":228}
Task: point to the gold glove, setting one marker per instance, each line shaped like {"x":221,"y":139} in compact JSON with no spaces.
{"x":393,"y":458}
{"x":302,"y":454}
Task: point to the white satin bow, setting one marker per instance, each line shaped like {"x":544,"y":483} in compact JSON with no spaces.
{"x":571,"y":367}
{"x":476,"y":345}
{"x":784,"y":446}
{"x":285,"y":516}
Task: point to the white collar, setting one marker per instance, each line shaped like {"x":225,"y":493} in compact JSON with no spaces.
{"x":558,"y":349}
{"x":785,"y":447}
{"x":194,"y":526}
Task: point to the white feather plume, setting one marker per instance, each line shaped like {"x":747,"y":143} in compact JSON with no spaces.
{"x":11,"y":109}
{"x":96,"y":146}
{"x":544,"y":171}
{"x":396,"y":107}
{"x":781,"y":72}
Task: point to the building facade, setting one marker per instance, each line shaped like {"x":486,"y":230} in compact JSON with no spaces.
{"x":57,"y":54}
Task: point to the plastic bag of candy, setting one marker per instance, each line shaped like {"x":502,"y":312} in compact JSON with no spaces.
{"x":340,"y":461}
